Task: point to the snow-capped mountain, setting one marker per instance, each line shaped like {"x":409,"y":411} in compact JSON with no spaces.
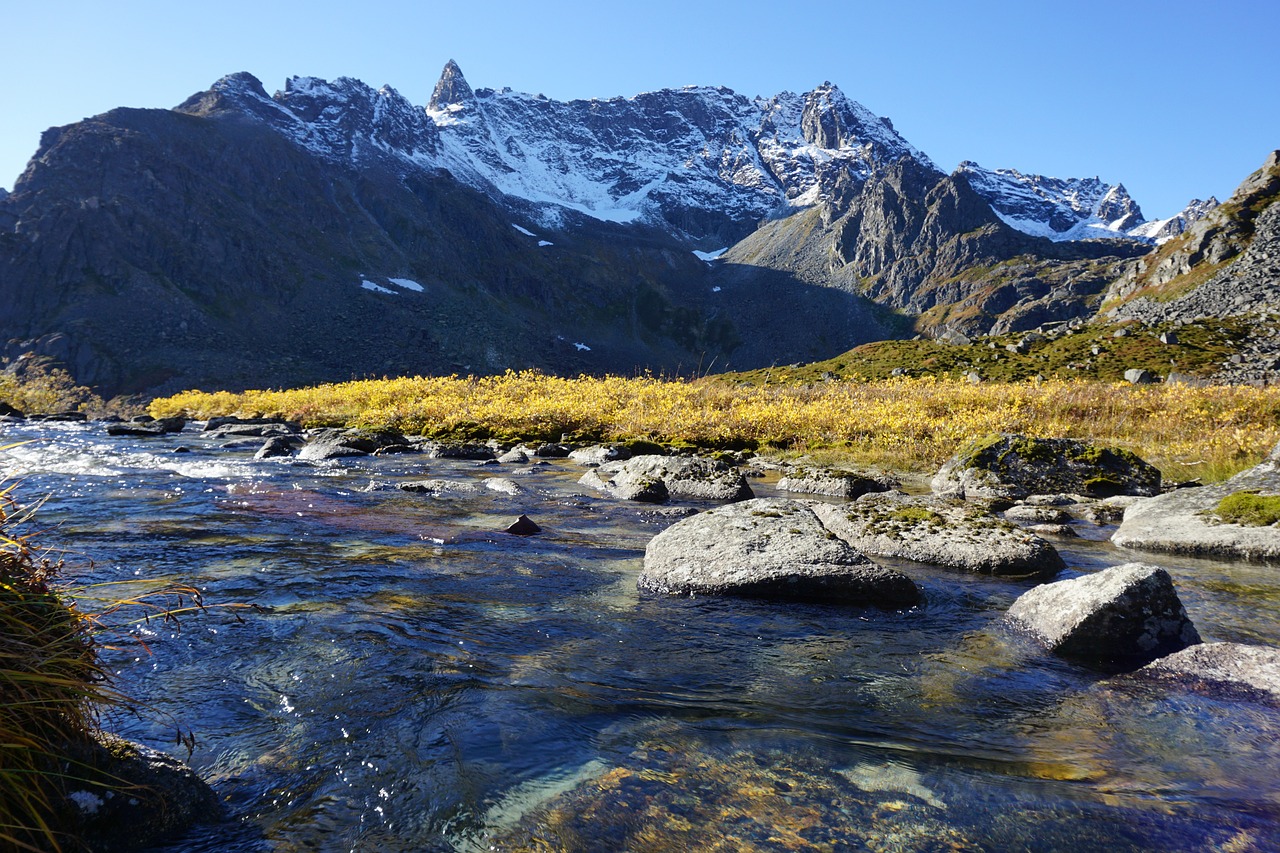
{"x":704,"y":163}
{"x":1161,"y":230}
{"x":1057,"y":208}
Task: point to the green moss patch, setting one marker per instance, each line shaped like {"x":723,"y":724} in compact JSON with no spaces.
{"x":1249,"y":509}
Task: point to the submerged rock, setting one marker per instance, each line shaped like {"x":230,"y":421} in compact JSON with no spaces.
{"x":1013,"y":467}
{"x":680,"y":476}
{"x":439,"y":488}
{"x":940,"y":532}
{"x":1186,"y":521}
{"x":1129,"y":613}
{"x":767,"y":548}
{"x":1235,"y":669}
{"x":832,"y":482}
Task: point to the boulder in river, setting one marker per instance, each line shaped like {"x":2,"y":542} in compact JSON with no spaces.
{"x":276,"y":446}
{"x":940,"y":532}
{"x":339,"y":443}
{"x":768,"y":548}
{"x":832,"y":482}
{"x":682,"y":477}
{"x":1235,"y":669}
{"x":1234,"y":520}
{"x":1009,"y":466}
{"x":599,"y":454}
{"x":1126,"y":614}
{"x":150,"y":427}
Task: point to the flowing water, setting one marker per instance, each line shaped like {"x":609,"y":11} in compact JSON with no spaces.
{"x":414,"y":680}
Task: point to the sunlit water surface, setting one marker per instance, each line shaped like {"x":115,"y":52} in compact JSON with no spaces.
{"x":416,"y":680}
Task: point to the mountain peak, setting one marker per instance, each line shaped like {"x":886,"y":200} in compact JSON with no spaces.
{"x":452,"y":88}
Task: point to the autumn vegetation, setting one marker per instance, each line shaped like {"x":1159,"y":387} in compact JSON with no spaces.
{"x":903,"y":423}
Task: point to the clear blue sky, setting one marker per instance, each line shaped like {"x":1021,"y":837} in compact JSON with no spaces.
{"x":1174,"y":98}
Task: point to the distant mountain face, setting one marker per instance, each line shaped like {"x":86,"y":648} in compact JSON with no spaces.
{"x":332,"y":229}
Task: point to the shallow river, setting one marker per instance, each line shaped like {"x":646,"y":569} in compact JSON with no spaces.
{"x":416,"y":681}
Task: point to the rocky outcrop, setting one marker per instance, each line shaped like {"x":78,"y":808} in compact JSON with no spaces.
{"x":767,"y":548}
{"x":940,"y":532}
{"x":1226,"y":264}
{"x":1233,"y":669}
{"x":1125,"y":614}
{"x":680,"y":476}
{"x":123,"y":796}
{"x":1186,"y":521}
{"x":1012,"y":466}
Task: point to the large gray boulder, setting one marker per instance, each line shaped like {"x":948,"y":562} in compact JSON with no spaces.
{"x":832,"y":482}
{"x":1185,"y":521}
{"x":1234,"y":668}
{"x":767,"y":548}
{"x":682,"y":477}
{"x":1126,"y":614}
{"x":1013,"y":467}
{"x":941,"y":532}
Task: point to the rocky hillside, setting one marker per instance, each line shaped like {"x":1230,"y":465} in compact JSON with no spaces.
{"x":1226,"y":264}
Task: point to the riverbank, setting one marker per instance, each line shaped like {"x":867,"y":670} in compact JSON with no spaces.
{"x":908,"y":424}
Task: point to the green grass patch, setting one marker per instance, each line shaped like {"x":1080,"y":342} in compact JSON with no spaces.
{"x":1249,"y":509}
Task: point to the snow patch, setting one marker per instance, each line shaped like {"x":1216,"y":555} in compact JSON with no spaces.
{"x":376,"y":288}
{"x":715,"y":289}
{"x":581,"y":347}
{"x":524,"y":231}
{"x":407,"y":284}
{"x":545,"y":243}
{"x":711,"y":256}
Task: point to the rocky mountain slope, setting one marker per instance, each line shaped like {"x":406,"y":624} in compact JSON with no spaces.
{"x":1226,"y":264}
{"x":332,"y":230}
{"x":926,"y":246}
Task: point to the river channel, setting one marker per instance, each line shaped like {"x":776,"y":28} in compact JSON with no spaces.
{"x":413,"y":679}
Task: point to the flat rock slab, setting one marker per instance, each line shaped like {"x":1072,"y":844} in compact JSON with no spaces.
{"x":1013,"y":467}
{"x":1232,"y":668}
{"x":939,"y":532}
{"x":1129,"y":613}
{"x":1181,"y":522}
{"x":680,"y":476}
{"x":768,"y":548}
{"x":832,"y":482}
